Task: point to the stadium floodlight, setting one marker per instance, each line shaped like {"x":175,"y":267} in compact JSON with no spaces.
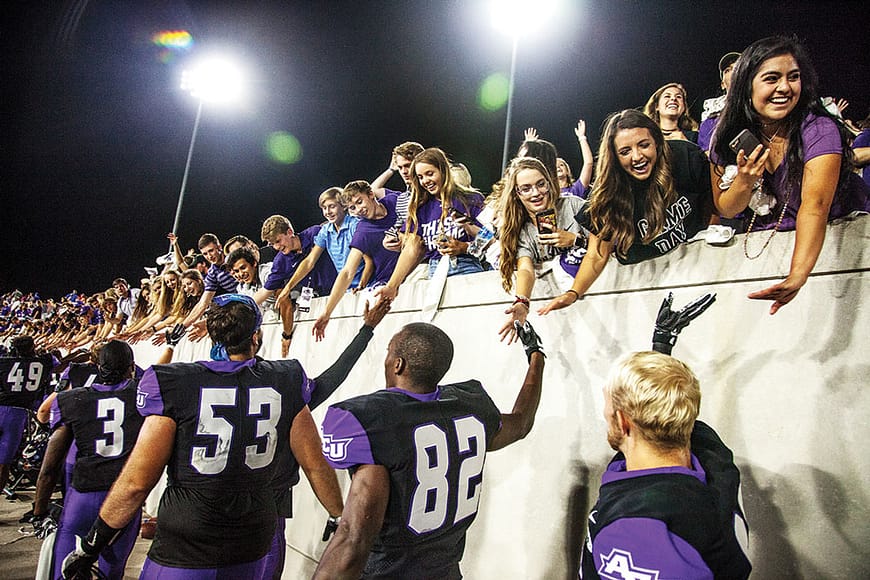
{"x":211,"y":80}
{"x":518,"y":18}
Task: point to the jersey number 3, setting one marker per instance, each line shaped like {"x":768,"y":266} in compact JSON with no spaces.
{"x":209,"y":424}
{"x":429,"y":502}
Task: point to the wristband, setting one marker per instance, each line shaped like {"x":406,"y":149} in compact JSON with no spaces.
{"x":574,"y":292}
{"x":522,"y":300}
{"x":99,"y":537}
{"x":286,"y":336}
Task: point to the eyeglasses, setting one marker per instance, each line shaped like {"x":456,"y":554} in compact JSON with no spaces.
{"x":526,"y":188}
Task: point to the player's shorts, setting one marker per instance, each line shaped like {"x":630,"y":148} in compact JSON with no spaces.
{"x":154,"y":571}
{"x":13,"y":420}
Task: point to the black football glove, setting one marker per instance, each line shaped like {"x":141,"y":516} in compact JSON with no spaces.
{"x":77,"y":564}
{"x":670,"y":323}
{"x":331,"y":527}
{"x":530,"y":339}
{"x":173,"y":337}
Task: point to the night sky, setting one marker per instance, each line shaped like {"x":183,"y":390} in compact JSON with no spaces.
{"x":96,"y":128}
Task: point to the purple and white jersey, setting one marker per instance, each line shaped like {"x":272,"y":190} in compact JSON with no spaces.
{"x":434,"y":447}
{"x":369,"y":237}
{"x":669,"y":522}
{"x":232,"y":419}
{"x":430,"y":226}
{"x":24,"y":380}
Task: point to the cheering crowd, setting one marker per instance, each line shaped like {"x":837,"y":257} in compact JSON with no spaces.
{"x":770,"y":155}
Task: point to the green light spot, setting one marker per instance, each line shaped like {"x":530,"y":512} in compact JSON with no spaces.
{"x":282,"y":147}
{"x":493,"y":94}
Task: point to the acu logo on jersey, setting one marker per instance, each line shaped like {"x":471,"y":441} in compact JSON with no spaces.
{"x":140,"y":399}
{"x":620,"y":566}
{"x":335,"y":449}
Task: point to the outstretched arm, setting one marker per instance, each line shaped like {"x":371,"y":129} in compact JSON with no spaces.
{"x":412,"y":254}
{"x":307,"y":449}
{"x":339,"y":288}
{"x":817,"y":193}
{"x":329,"y":380}
{"x":591,"y":267}
{"x":363,"y":516}
{"x":669,"y":324}
{"x":517,"y":424}
{"x":585,"y":150}
{"x":302,"y":270}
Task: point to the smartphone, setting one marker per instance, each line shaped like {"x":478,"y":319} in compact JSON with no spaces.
{"x":546,"y":221}
{"x":457,"y":216}
{"x":746,"y":141}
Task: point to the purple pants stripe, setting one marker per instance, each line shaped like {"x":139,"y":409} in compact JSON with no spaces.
{"x":12,"y":423}
{"x":80,"y":509}
{"x":249,"y":570}
{"x":277,"y":553}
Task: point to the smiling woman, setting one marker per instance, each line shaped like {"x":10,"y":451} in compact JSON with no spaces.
{"x":668,"y":108}
{"x":799,"y":176}
{"x":650,"y":196}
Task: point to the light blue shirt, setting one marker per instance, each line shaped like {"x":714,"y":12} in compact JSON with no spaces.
{"x":337,"y":244}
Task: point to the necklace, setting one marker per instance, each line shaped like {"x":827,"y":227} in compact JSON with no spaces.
{"x":772,"y":232}
{"x":772,"y":137}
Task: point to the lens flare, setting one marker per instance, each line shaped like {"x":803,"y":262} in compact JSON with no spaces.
{"x":493,"y":93}
{"x":284,"y":148}
{"x":174,"y":39}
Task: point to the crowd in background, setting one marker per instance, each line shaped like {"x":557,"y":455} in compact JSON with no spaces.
{"x":769,"y":155}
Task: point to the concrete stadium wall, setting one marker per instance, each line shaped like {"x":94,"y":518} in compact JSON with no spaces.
{"x":786,"y":393}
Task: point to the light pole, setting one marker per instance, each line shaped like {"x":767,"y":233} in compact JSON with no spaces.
{"x":212,"y":80}
{"x":517,"y":18}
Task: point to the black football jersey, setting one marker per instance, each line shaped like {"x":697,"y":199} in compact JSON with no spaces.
{"x":24,"y":380}
{"x":105,"y":424}
{"x":434,"y":447}
{"x":232,"y":425}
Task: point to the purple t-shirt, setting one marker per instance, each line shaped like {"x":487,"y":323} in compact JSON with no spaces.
{"x":820,"y":137}
{"x":577,"y":189}
{"x":863,"y":140}
{"x":429,"y":226}
{"x":369,"y":237}
{"x":705,"y":132}
{"x":321,"y":277}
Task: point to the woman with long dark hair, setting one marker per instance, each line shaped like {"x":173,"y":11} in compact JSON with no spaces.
{"x":799,"y":176}
{"x":650,"y":196}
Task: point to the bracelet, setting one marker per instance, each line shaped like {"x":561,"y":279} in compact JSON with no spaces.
{"x":286,"y":336}
{"x":522,"y":300}
{"x":574,"y":292}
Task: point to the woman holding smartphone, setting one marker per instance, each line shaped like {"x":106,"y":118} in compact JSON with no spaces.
{"x":537,"y":225}
{"x":440,"y":221}
{"x":790,"y":167}
{"x":649,"y":197}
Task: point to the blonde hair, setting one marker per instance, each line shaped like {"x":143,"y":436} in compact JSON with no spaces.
{"x":329,"y":194}
{"x":513,"y":214}
{"x":660,"y":394}
{"x":352,"y":189}
{"x":274,"y":226}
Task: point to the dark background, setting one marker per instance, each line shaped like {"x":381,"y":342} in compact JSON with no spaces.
{"x":96,"y":128}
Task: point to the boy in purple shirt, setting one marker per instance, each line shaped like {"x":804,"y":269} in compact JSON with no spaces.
{"x":376,"y":217}
{"x":292,"y":249}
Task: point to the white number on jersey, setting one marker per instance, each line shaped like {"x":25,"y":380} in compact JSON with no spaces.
{"x":429,"y":502}
{"x":112,"y":410}
{"x":222,"y":430}
{"x":34,"y":376}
